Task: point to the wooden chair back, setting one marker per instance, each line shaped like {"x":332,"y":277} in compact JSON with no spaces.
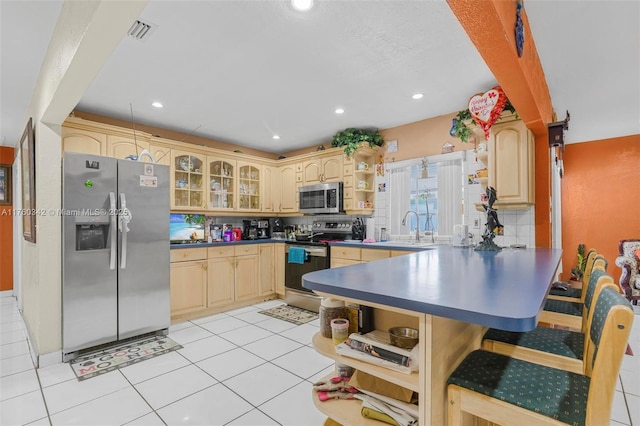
{"x":608,"y":335}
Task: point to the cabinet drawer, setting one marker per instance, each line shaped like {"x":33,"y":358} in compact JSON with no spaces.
{"x":348,"y":181}
{"x":247,"y":249}
{"x":347,"y":169}
{"x":374,"y":254}
{"x":182,"y":255}
{"x":352,"y":253}
{"x":221,"y":251}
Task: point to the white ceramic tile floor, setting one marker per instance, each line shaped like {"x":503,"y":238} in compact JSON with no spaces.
{"x":220,"y":377}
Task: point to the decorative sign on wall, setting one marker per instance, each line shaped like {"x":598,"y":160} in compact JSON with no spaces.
{"x":486,"y":108}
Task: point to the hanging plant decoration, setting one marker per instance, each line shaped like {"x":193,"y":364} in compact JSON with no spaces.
{"x":460,"y":128}
{"x":351,"y":139}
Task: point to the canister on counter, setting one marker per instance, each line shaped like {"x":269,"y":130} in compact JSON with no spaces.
{"x":330,"y":309}
{"x":339,"y":330}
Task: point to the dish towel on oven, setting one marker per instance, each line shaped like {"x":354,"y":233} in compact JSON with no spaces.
{"x":297,"y":255}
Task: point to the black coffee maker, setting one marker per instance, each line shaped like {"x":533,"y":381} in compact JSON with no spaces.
{"x":277,"y":228}
{"x":263,"y":228}
{"x":249,"y":229}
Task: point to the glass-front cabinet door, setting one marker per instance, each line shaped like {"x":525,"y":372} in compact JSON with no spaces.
{"x":222,"y":180}
{"x":249,"y":188}
{"x":188,"y":180}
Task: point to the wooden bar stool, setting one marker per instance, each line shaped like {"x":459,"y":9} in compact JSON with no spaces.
{"x":557,"y":348}
{"x":509,"y":391}
{"x":569,"y":314}
{"x":572,"y":294}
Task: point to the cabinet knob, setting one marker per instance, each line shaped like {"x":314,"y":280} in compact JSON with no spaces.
{"x":205,"y":266}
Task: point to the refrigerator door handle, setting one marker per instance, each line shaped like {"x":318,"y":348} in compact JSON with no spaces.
{"x":114,"y":236}
{"x":124,"y":217}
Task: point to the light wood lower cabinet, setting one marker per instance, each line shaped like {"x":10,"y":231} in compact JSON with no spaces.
{"x":266,"y":269}
{"x":279,"y":268}
{"x":188,"y":281}
{"x":207,"y":280}
{"x":221,"y":280}
{"x":345,"y":256}
{"x":246,"y":277}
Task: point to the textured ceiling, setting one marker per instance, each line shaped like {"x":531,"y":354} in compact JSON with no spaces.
{"x":242,"y":71}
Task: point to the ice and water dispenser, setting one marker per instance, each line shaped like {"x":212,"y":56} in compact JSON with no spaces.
{"x":92,"y":234}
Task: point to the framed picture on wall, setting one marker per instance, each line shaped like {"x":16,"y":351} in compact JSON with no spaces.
{"x":28,"y":155}
{"x":5,"y":185}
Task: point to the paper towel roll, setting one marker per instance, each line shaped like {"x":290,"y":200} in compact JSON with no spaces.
{"x":371,"y":228}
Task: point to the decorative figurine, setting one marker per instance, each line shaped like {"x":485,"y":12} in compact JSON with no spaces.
{"x":492,"y":226}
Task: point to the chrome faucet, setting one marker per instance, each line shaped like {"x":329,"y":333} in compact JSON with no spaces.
{"x":404,"y":222}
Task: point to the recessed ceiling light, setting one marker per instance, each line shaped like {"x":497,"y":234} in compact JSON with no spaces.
{"x":339,"y":111}
{"x":302,"y":5}
{"x":275,"y":137}
{"x":417,"y":96}
{"x":157,"y":105}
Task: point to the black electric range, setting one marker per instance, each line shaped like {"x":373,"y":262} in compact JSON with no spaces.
{"x":317,"y":256}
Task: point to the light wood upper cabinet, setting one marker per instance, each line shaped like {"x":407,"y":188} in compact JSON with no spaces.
{"x":288,"y":189}
{"x":249,"y":186}
{"x":188,"y":179}
{"x":271,"y":189}
{"x":122,"y":147}
{"x":83,"y":141}
{"x":222,"y":185}
{"x":321,"y":170}
{"x":161,"y":153}
{"x":332,"y":168}
{"x":359,"y":181}
{"x":267,"y":269}
{"x":511,"y":164}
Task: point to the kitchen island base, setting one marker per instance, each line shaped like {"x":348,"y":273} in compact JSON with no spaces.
{"x":443,"y":344}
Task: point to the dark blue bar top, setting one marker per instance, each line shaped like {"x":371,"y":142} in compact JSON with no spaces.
{"x":504,"y":289}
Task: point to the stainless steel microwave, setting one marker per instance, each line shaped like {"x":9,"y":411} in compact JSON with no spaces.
{"x":323,"y":198}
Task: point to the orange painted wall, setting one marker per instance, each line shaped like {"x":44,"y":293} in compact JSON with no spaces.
{"x":6,"y":232}
{"x":490,"y":27}
{"x":600,"y":197}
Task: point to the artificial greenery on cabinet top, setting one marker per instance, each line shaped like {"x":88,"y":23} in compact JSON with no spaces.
{"x":351,"y":139}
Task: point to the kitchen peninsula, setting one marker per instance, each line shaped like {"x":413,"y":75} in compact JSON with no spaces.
{"x":451,"y":295}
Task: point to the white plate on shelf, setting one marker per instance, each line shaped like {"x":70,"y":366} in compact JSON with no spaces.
{"x":215,"y":186}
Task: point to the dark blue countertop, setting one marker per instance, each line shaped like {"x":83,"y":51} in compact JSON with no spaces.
{"x":241,"y":242}
{"x":505,"y":289}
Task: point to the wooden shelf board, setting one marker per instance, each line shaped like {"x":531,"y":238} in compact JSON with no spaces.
{"x":343,"y":411}
{"x":325,"y":347}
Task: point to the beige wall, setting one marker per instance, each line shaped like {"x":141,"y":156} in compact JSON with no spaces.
{"x":85,"y":36}
{"x":415,"y":140}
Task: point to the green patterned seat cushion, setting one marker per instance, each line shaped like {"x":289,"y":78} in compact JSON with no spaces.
{"x":562,"y":307}
{"x":554,"y":393}
{"x":565,"y":343}
{"x":570,"y":292}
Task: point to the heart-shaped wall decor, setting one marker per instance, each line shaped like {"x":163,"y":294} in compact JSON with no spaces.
{"x":486,"y":108}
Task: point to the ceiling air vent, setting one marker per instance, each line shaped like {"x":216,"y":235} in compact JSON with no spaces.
{"x":141,"y":30}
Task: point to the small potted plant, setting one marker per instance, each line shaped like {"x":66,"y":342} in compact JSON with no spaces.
{"x":577,"y":272}
{"x":351,"y":139}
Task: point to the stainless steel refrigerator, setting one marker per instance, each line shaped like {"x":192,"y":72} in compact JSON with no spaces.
{"x":115,"y":257}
